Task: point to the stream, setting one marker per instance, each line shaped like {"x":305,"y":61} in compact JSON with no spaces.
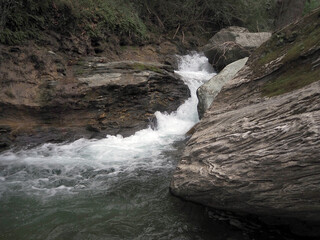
{"x":113,"y":188}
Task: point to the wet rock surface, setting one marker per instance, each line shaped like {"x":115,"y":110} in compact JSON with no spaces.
{"x":256,"y":150}
{"x":101,"y":98}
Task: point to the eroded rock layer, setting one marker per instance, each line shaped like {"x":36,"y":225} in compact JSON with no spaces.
{"x":257,"y":149}
{"x":102,"y":98}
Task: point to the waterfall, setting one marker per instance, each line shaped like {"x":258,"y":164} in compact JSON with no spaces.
{"x":122,"y":182}
{"x":35,"y":169}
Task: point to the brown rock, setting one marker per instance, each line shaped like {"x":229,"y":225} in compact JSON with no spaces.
{"x":103,"y":98}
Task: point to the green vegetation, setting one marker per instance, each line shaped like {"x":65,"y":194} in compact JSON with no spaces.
{"x":131,"y":20}
{"x":181,"y":16}
{"x":289,"y":48}
{"x":294,"y":78}
{"x":311,"y":5}
{"x":292,"y":42}
{"x":27,"y":19}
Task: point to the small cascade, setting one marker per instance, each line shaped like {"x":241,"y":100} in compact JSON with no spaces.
{"x":112,"y":188}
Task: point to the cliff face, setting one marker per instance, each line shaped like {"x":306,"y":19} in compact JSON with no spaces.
{"x":257,"y":149}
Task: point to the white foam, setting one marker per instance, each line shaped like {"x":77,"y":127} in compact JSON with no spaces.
{"x":49,"y":166}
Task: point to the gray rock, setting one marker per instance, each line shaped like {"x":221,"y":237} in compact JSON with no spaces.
{"x":257,"y":148}
{"x":231,"y":44}
{"x":261,"y":158}
{"x":208,"y":91}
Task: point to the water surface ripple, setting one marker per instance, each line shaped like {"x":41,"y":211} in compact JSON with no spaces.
{"x":113,"y":188}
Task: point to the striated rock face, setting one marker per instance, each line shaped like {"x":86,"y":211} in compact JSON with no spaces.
{"x":208,"y":91}
{"x":231,"y":44}
{"x":102,"y":98}
{"x":257,"y":149}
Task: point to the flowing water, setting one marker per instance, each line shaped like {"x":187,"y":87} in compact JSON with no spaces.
{"x":113,"y":188}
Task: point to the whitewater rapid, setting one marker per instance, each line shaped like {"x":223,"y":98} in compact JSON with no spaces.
{"x":83,"y":164}
{"x":113,"y":188}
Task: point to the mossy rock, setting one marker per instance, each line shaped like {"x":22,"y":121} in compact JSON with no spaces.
{"x":291,"y":52}
{"x":294,"y":78}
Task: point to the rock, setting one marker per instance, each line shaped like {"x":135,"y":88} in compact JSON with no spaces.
{"x":103,"y":98}
{"x":231,"y":44}
{"x":5,"y":137}
{"x":257,"y":149}
{"x":208,"y":91}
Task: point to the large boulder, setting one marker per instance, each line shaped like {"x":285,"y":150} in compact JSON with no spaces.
{"x":231,"y":44}
{"x":257,"y":149}
{"x":208,"y":91}
{"x":102,"y":98}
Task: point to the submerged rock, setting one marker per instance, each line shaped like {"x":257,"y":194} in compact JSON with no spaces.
{"x":231,"y":44}
{"x":208,"y":91}
{"x":257,"y":149}
{"x":103,"y":98}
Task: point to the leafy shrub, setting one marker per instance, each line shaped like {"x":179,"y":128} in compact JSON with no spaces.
{"x":207,"y":15}
{"x":26,"y":19}
{"x":98,"y":19}
{"x":311,"y":5}
{"x":21,"y":19}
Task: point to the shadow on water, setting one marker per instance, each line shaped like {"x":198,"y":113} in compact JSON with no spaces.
{"x":129,"y":205}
